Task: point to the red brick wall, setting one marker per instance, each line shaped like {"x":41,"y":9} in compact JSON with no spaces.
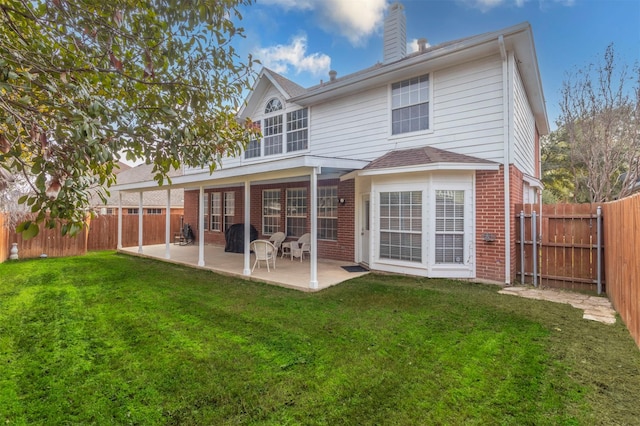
{"x":490,"y":220}
{"x":343,"y":249}
{"x":490,"y":256}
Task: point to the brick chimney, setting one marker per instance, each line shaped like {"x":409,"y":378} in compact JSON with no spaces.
{"x":395,"y":34}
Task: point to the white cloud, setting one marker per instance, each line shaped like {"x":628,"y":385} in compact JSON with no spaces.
{"x":283,"y":56}
{"x":353,"y":19}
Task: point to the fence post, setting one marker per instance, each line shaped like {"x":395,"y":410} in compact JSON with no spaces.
{"x":522,"y":271}
{"x":535,"y":248}
{"x":599,"y":246}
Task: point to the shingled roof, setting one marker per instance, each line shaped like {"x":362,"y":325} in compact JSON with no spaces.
{"x":422,"y":156}
{"x":292,"y":89}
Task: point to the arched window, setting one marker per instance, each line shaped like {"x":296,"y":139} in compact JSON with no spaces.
{"x":273,"y":105}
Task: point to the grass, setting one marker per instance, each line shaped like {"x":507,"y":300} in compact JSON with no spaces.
{"x":112,"y":339}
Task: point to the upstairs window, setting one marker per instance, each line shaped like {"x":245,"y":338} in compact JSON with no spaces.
{"x":273,"y":135}
{"x":281,"y":131}
{"x":273,"y":105}
{"x":253,"y":149}
{"x":297,"y":134}
{"x":410,"y":105}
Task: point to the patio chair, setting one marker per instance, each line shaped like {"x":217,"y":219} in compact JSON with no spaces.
{"x":300,"y":247}
{"x":265,"y":252}
{"x":276,"y":239}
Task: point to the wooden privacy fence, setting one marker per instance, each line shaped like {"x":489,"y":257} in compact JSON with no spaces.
{"x":103,"y":231}
{"x":622,"y":257}
{"x":560,"y":248}
{"x":102,"y":234}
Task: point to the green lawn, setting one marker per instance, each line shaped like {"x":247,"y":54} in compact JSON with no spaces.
{"x":112,"y":339}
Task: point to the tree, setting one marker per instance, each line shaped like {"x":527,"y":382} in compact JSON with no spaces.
{"x":558,"y":176}
{"x":83,"y":82}
{"x":600,"y":113}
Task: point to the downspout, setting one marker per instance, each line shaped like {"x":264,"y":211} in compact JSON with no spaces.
{"x":507,"y":140}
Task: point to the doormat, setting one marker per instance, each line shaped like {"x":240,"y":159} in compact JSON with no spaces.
{"x":355,"y":268}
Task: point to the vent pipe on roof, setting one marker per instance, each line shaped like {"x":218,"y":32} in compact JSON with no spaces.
{"x":332,"y":75}
{"x":395,"y":34}
{"x":422,"y":45}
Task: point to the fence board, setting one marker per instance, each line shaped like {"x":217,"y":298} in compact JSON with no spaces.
{"x":5,"y":245}
{"x":622,"y":237}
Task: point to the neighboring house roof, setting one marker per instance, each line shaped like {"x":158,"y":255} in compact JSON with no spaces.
{"x":142,"y":173}
{"x":422,"y":156}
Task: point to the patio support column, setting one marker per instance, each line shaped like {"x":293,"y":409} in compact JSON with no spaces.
{"x":119,"y":220}
{"x":247,"y":227}
{"x":167,"y":227}
{"x":201,"y":227}
{"x":313,"y":283}
{"x":140,"y":223}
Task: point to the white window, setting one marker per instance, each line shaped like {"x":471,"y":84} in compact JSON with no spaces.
{"x":297,"y":134}
{"x":410,"y":105}
{"x":273,"y":128}
{"x":154,"y":211}
{"x":273,"y":105}
{"x":132,"y":211}
{"x":229,"y":209}
{"x":206,"y":211}
{"x":296,"y":212}
{"x":273,"y":135}
{"x":270,"y":211}
{"x":328,"y":213}
{"x":449,"y":226}
{"x":253,"y":148}
{"x":401,"y":225}
{"x":216,"y":211}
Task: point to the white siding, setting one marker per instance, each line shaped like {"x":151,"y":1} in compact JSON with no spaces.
{"x":467,"y":117}
{"x":524,"y":154}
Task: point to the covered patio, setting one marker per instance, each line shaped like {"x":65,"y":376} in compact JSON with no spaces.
{"x":287,"y":273}
{"x":305,"y":169}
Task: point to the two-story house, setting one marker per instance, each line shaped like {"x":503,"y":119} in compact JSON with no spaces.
{"x":413,"y":165}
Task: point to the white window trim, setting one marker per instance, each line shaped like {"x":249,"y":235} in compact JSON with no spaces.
{"x":278,"y":215}
{"x":284,"y":154}
{"x":375,"y":224}
{"x":430,"y":130}
{"x":454,"y":270}
{"x":286,"y":207}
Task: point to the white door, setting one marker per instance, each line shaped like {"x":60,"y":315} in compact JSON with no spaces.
{"x":365,"y":220}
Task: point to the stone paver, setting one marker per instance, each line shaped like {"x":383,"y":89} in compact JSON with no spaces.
{"x":595,"y":308}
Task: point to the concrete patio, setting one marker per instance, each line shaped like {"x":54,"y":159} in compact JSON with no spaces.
{"x":287,"y":273}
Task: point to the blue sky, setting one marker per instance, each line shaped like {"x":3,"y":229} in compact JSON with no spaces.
{"x":304,"y":39}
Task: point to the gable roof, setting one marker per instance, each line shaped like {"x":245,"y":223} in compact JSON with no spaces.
{"x":422,"y":156}
{"x":283,"y":84}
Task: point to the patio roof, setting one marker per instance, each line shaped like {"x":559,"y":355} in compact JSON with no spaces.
{"x":260,"y":171}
